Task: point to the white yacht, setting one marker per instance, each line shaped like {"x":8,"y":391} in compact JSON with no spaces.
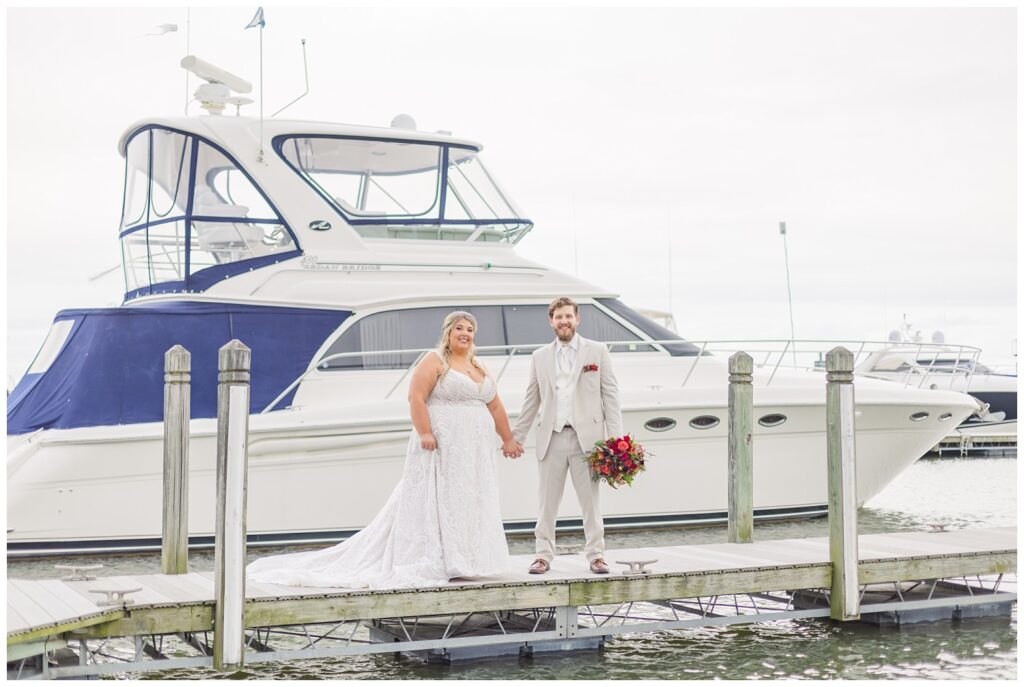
{"x":333,"y":252}
{"x":911,"y":361}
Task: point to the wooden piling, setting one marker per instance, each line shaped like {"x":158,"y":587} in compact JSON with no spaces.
{"x":177,"y":404}
{"x":842,"y":484}
{"x":741,"y":459}
{"x":234,"y":360}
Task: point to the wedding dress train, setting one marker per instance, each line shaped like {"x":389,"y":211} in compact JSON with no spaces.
{"x":442,"y":520}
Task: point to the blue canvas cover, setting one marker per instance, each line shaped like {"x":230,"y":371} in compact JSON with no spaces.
{"x":110,"y":370}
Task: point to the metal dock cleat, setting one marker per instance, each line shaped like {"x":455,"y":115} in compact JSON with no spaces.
{"x":637,"y":567}
{"x":115,"y":597}
{"x":938,"y":526}
{"x":79,"y":573}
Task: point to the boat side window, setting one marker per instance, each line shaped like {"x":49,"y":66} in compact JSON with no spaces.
{"x":529,"y":324}
{"x":188,"y":207}
{"x":497,"y":325}
{"x":415,"y":328}
{"x":55,"y":340}
{"x":947,"y":365}
{"x":650,"y":328}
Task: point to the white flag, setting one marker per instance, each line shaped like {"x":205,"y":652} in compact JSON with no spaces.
{"x":257,"y":20}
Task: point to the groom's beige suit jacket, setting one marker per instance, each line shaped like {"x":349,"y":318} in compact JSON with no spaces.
{"x":596,"y":412}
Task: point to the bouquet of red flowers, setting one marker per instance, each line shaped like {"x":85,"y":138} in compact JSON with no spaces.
{"x":616,"y":461}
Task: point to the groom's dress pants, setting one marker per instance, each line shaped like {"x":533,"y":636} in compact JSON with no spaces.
{"x":564,"y":454}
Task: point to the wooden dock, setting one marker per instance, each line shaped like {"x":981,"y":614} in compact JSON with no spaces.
{"x":966,"y":444}
{"x":566,"y":605}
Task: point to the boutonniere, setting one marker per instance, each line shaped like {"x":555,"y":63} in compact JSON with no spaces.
{"x":590,"y":368}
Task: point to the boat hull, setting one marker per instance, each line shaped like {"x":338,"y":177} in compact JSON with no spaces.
{"x":100,"y":489}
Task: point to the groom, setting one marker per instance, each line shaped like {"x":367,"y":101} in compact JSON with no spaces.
{"x":572,"y":384}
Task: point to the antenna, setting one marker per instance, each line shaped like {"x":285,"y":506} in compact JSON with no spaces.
{"x":305,"y":66}
{"x":216,"y":92}
{"x":789,"y":290}
{"x":671,"y":312}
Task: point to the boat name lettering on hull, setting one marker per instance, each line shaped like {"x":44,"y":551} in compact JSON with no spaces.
{"x":311,"y":262}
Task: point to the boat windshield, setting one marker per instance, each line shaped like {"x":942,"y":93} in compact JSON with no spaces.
{"x":191,"y":216}
{"x":391,"y":189}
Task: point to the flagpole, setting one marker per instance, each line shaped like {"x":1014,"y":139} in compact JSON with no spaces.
{"x":259,"y":158}
{"x":259,"y":21}
{"x":188,"y":37}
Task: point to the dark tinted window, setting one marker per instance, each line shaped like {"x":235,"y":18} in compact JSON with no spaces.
{"x":649,"y":327}
{"x":419,"y":328}
{"x":529,"y":324}
{"x":404,"y":329}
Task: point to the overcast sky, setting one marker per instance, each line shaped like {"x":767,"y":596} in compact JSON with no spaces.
{"x":655,"y":149}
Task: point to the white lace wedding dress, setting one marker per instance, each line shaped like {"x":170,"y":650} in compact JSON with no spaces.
{"x":443,"y":519}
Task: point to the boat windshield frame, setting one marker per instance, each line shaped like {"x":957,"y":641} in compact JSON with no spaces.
{"x":431,"y":223}
{"x":193,"y":276}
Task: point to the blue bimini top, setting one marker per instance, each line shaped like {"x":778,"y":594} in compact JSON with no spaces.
{"x":110,"y":369}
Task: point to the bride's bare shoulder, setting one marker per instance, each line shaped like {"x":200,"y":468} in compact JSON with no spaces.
{"x":432,"y":361}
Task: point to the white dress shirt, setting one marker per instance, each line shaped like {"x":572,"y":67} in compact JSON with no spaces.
{"x":565,"y":363}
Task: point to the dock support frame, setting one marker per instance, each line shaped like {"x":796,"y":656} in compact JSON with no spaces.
{"x":552,"y":627}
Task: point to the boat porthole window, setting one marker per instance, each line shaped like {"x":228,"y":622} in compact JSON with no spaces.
{"x":704,"y":422}
{"x":918,"y":416}
{"x":660,"y":424}
{"x":772,"y":420}
{"x":945,"y":416}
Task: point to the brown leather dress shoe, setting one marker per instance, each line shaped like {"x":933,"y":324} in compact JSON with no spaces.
{"x":599,"y":567}
{"x":539,"y":567}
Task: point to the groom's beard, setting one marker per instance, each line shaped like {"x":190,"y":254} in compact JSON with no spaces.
{"x":565,"y":334}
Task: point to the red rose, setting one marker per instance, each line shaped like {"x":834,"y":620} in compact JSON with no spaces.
{"x":604,"y":469}
{"x":629,"y":464}
{"x":623,"y":446}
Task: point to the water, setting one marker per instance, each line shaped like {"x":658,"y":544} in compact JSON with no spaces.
{"x":978,"y":492}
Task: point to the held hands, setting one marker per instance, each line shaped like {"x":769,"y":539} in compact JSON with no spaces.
{"x":510,"y":448}
{"x":428,"y":442}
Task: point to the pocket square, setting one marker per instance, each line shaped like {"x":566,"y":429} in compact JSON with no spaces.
{"x":590,"y":368}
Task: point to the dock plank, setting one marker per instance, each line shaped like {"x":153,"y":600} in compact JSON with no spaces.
{"x":906,"y":547}
{"x":765,"y":554}
{"x":79,"y":605}
{"x":41,"y":594}
{"x":176,"y":589}
{"x":33,"y":613}
{"x":15,"y":621}
{"x":684,"y":559}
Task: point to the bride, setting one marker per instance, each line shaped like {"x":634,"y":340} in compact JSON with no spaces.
{"x":443,"y":519}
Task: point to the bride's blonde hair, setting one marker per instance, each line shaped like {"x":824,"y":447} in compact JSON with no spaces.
{"x":444,"y":346}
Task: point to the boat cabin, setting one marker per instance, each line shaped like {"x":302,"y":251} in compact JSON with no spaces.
{"x":204,"y":202}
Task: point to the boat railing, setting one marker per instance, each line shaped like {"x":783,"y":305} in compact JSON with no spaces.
{"x":768,"y":354}
{"x":943,"y":365}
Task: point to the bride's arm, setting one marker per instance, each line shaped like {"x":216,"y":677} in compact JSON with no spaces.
{"x":424,"y":377}
{"x":509,"y":445}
